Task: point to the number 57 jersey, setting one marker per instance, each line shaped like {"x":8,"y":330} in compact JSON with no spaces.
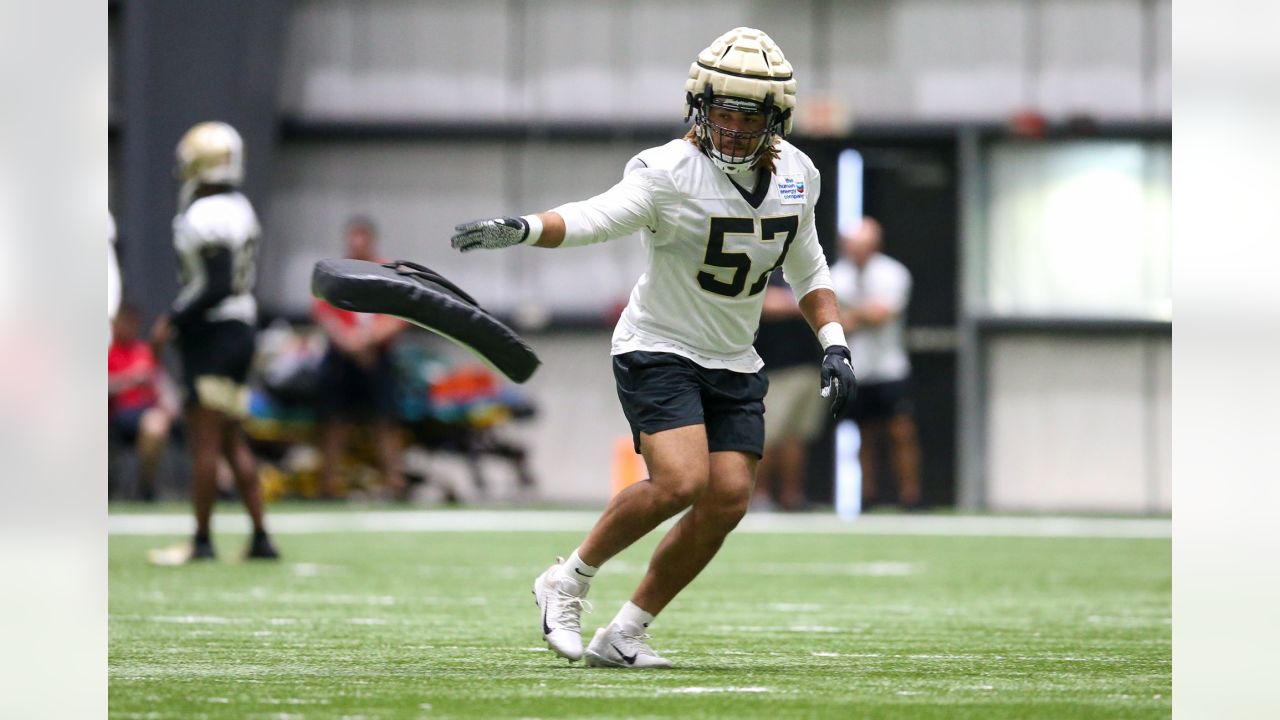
{"x":712,"y":246}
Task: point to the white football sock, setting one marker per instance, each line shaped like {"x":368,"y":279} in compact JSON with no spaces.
{"x":634,"y":615}
{"x":578,"y":570}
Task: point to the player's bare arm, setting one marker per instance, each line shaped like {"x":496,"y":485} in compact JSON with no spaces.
{"x":819,"y":308}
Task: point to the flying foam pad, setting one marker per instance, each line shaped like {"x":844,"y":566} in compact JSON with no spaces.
{"x":425,"y":298}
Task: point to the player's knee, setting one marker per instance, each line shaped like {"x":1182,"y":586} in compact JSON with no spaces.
{"x":685,"y":494}
{"x":680,"y":489}
{"x":724,"y":516}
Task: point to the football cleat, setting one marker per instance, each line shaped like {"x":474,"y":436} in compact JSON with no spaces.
{"x":202,"y":549}
{"x":261,"y":548}
{"x":182,"y":553}
{"x":561,"y":600}
{"x":623,"y":645}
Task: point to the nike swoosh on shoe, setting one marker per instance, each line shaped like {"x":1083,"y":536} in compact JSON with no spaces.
{"x":631,"y":660}
{"x":546,"y":630}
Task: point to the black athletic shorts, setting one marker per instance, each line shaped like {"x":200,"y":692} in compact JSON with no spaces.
{"x":881,"y":401}
{"x":222,"y":350}
{"x":661,"y":391}
{"x":125,"y":425}
{"x":348,"y":391}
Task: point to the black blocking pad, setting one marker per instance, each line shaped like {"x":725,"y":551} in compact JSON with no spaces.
{"x":425,"y":298}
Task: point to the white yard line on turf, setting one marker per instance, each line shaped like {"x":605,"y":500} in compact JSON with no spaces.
{"x":580,"y":521}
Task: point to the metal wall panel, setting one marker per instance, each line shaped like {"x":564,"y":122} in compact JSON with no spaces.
{"x":1073,"y":424}
{"x":1091,"y":58}
{"x":963,"y":60}
{"x":1160,"y":29}
{"x":442,"y":60}
{"x":1160,"y":390}
{"x":623,"y":62}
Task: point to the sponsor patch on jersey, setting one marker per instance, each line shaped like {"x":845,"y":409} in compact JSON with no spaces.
{"x":791,"y":189}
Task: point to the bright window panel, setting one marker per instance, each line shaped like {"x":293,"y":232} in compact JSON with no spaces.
{"x":1078,"y":228}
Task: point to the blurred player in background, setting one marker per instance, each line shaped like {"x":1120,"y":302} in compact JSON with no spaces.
{"x":719,"y":211}
{"x":358,"y":377}
{"x":793,"y":412}
{"x":216,"y":237}
{"x":874,"y":289}
{"x":137,"y":407}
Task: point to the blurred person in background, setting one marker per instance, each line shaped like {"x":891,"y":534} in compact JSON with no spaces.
{"x":216,"y":237}
{"x":874,"y":290}
{"x":793,"y":411}
{"x":357,"y":380}
{"x":138,"y":410}
{"x":719,"y":211}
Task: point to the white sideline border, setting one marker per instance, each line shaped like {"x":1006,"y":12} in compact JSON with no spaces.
{"x":580,"y":521}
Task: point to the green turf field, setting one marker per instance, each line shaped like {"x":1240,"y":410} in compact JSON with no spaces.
{"x":435,"y":625}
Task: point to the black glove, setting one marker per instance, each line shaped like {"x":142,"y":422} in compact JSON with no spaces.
{"x":838,"y":381}
{"x":490,"y":234}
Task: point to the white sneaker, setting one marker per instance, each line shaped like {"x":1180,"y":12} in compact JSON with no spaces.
{"x":561,"y":600}
{"x":623,"y":645}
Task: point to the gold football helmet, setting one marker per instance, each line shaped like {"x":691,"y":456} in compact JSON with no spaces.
{"x":743,"y":71}
{"x":210,"y":153}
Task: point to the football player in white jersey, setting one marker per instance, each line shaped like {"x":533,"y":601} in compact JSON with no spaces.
{"x":873,"y":290}
{"x":719,"y":210}
{"x":215,"y":235}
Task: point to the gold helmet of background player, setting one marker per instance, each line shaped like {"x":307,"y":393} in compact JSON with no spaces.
{"x":211,"y":153}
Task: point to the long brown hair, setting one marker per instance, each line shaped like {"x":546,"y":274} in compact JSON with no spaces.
{"x":766,"y":159}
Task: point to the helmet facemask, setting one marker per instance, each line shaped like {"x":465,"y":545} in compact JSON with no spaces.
{"x":735,"y":149}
